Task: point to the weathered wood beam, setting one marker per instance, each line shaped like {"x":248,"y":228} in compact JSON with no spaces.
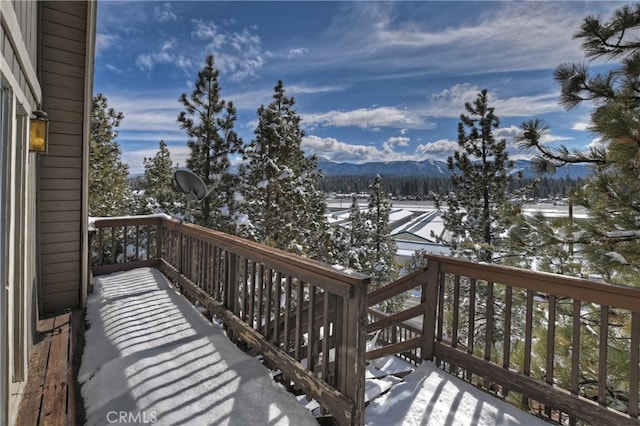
{"x":405,"y":283}
{"x":395,"y":348}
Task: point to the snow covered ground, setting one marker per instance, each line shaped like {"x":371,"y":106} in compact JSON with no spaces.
{"x":151,"y":358}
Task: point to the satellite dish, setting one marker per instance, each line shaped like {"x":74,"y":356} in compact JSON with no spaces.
{"x":193,"y":186}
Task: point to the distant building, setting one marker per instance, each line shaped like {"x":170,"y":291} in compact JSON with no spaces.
{"x":420,"y":234}
{"x":411,"y":230}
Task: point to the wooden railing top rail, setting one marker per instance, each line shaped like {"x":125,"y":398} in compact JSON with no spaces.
{"x":618,"y":296}
{"x":334,"y":280}
{"x":105,"y":222}
{"x":338,"y":282}
{"x":402,"y":284}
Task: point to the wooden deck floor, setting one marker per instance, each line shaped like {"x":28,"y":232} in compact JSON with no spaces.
{"x":52,"y":395}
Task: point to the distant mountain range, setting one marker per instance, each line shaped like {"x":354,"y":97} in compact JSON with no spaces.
{"x":431,"y":168}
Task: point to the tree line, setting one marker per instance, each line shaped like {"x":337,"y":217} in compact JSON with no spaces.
{"x":425,"y":188}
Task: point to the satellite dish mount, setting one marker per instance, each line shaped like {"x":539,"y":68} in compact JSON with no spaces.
{"x":193,"y":186}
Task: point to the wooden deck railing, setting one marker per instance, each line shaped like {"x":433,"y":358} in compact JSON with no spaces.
{"x":564,"y":348}
{"x":307,"y":319}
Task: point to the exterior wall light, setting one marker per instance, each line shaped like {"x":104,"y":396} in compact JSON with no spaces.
{"x":39,"y":132}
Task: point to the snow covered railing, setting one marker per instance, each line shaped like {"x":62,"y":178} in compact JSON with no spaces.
{"x":306,"y":318}
{"x":564,"y":348}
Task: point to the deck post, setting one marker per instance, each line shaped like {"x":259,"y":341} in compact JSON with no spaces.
{"x":356,"y":324}
{"x":231,"y":282}
{"x":159,"y":239}
{"x":430,"y":301}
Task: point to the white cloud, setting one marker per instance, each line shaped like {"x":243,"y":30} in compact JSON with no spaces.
{"x":582,"y":126}
{"x":164,"y":13}
{"x":207,"y":31}
{"x":437,"y":150}
{"x":135,"y":158}
{"x":450,"y":102}
{"x":114,"y":69}
{"x":237,"y":53}
{"x":105,"y":41}
{"x":166,"y":54}
{"x":294,"y":53}
{"x":145,"y":111}
{"x":339,"y":151}
{"x":366,"y":118}
{"x":390,"y":143}
{"x":145,"y":61}
{"x":511,"y":36}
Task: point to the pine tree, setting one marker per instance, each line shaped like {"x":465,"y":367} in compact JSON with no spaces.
{"x":607,"y":242}
{"x":610,"y":238}
{"x":384,"y":247}
{"x":160,"y":194}
{"x":209,"y":122}
{"x":109,"y":193}
{"x":358,"y":239}
{"x":280,"y":185}
{"x":371,"y":249}
{"x":417,"y":261}
{"x":477,"y":210}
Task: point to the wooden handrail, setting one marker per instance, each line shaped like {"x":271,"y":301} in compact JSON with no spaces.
{"x":620,"y":296}
{"x":404,"y":283}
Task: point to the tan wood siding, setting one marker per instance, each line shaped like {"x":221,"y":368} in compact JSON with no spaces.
{"x":63,"y":69}
{"x":55,"y":258}
{"x":60,"y":216}
{"x":63,"y":151}
{"x":61,"y":184}
{"x":60,"y":30}
{"x":58,"y":237}
{"x":66,"y":162}
{"x":59,"y":226}
{"x":61,"y":267}
{"x":58,"y":173}
{"x":45,"y":249}
{"x":57,"y":301}
{"x":57,"y":194}
{"x":63,"y":37}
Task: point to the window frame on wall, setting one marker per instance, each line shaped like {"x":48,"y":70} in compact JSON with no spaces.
{"x":19,"y":247}
{"x":5,"y":134}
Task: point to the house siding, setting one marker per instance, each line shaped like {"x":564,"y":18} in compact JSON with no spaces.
{"x":46,"y":62}
{"x":63,"y":171}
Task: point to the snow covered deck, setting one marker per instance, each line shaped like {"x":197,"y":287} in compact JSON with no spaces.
{"x":150,"y":357}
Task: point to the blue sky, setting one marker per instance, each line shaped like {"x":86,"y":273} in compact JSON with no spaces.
{"x":373,"y":81}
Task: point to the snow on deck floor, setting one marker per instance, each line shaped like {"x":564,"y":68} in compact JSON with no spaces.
{"x":150,"y":357}
{"x":430,"y":396}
